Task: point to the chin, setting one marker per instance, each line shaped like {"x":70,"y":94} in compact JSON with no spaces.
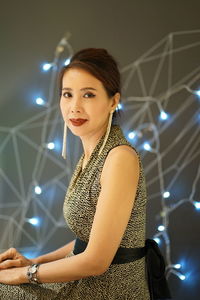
{"x":76,"y":130}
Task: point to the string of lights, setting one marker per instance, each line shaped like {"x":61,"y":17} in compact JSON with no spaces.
{"x":157,"y":101}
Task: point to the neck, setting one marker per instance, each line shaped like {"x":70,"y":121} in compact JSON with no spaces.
{"x":90,"y":142}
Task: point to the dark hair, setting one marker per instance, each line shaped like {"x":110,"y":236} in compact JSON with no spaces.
{"x":99,"y":63}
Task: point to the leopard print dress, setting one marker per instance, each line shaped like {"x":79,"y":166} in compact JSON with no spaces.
{"x":120,"y":281}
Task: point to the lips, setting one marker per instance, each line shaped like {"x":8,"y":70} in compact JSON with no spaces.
{"x":78,"y":121}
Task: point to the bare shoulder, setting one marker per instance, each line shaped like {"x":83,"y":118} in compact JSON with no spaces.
{"x":122,"y":149}
{"x":118,"y":156}
{"x":121,"y":152}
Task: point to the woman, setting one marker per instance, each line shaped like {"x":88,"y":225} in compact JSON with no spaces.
{"x":105,"y":204}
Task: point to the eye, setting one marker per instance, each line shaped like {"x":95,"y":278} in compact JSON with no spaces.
{"x":89,"y":95}
{"x":67,"y":95}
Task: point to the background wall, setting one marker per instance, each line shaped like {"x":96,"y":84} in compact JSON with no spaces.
{"x":157,"y":46}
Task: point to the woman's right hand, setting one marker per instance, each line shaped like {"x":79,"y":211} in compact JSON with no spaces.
{"x":12,"y":258}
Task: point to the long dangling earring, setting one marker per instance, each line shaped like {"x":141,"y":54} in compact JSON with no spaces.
{"x":107,"y":132}
{"x":64,"y":147}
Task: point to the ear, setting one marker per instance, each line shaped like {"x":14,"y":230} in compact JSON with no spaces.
{"x":115,"y":101}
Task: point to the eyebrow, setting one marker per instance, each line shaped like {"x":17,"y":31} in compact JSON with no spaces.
{"x":83,"y":89}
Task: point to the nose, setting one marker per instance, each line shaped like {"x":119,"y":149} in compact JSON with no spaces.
{"x":76,"y":104}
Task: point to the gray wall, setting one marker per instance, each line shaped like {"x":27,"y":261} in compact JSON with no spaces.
{"x":30,"y":31}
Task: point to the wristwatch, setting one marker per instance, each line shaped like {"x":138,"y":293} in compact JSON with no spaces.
{"x":32,"y":273}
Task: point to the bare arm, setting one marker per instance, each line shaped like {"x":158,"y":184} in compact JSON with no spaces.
{"x":12,"y":258}
{"x":54,"y":255}
{"x":62,"y":270}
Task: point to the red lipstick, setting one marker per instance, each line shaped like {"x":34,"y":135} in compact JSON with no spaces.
{"x":78,"y":122}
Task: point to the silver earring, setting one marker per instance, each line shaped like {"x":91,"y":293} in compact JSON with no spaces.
{"x":64,"y":147}
{"x":107,"y":132}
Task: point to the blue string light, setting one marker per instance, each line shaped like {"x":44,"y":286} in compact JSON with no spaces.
{"x":182,"y":277}
{"x":39,"y":101}
{"x":161,"y":228}
{"x":119,"y":106}
{"x":47,"y":66}
{"x":177,"y":266}
{"x":38,"y":190}
{"x":163,"y":115}
{"x":51,"y":145}
{"x":34,"y":221}
{"x":132,"y":135}
{"x":67,"y":61}
{"x":197,"y":205}
{"x":157,"y":240}
{"x":166,"y":194}
{"x":147,"y":146}
{"x":197,"y":93}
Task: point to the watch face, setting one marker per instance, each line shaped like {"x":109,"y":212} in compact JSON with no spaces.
{"x":33,"y":269}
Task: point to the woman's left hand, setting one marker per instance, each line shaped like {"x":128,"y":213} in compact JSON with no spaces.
{"x":14,"y":276}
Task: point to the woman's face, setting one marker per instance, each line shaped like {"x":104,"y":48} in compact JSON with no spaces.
{"x":84,"y":96}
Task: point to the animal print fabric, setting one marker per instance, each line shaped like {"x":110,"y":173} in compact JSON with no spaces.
{"x":119,"y":282}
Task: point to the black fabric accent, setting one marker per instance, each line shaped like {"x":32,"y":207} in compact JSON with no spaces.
{"x":122,"y":256}
{"x":155,"y":265}
{"x":79,"y":246}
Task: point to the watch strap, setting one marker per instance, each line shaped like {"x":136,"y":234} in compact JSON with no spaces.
{"x":32,"y":273}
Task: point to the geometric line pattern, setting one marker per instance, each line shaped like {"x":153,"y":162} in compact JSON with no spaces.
{"x":162,"y":115}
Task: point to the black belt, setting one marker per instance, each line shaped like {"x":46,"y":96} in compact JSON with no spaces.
{"x":122,"y":256}
{"x":155,"y":264}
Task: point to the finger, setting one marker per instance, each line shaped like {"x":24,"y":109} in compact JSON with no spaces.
{"x":7,"y":264}
{"x":8,"y":254}
{"x":18,"y":262}
{"x":10,"y":263}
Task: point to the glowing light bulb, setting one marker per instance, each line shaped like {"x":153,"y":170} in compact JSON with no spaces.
{"x":119,"y":106}
{"x":33,"y":221}
{"x":40,"y":101}
{"x":157,"y":240}
{"x":47,"y":66}
{"x":161,"y":228}
{"x":197,"y":93}
{"x":197,"y":205}
{"x":67,"y":62}
{"x":51,"y":145}
{"x":181,"y":276}
{"x":163,"y":115}
{"x":177,"y":266}
{"x":38,"y":190}
{"x":147,"y":146}
{"x":131,"y":135}
{"x":166,"y":194}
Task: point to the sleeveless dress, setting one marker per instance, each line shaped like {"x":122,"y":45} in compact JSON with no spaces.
{"x":120,"y":281}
